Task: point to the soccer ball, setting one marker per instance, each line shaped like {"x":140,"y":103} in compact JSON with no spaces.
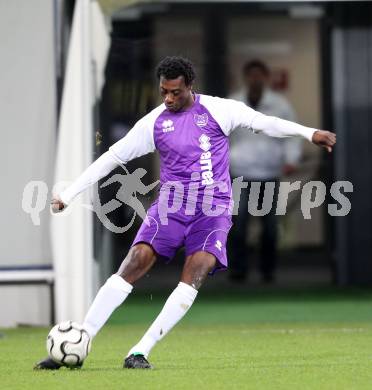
{"x":68,"y":344}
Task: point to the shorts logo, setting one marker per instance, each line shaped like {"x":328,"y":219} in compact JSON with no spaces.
{"x":201,"y":120}
{"x":218,"y":245}
{"x":167,"y":126}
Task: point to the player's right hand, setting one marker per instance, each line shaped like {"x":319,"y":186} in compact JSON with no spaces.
{"x":57,"y":205}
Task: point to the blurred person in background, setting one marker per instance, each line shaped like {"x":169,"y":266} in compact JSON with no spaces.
{"x":259,"y":158}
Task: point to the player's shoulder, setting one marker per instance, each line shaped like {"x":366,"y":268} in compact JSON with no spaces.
{"x":222,"y":106}
{"x":216,"y":103}
{"x":154,"y":114}
{"x":226,"y":112}
{"x":147,"y":122}
{"x":210,"y":100}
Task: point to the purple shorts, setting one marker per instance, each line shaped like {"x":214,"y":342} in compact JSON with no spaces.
{"x":197,"y":232}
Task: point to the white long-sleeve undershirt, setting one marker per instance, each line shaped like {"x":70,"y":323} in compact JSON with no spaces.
{"x":281,"y":128}
{"x":96,"y":171}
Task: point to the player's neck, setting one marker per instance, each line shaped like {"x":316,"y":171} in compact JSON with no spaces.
{"x":190,"y":102}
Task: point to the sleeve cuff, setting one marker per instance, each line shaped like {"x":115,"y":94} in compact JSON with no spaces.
{"x":308,"y":133}
{"x":65,"y":198}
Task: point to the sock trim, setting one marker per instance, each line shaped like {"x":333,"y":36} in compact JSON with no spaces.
{"x":117,"y":282}
{"x":188,"y":290}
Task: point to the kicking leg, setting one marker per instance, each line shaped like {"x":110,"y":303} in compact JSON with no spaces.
{"x":116,"y":289}
{"x":196,"y":269}
{"x":112,"y":294}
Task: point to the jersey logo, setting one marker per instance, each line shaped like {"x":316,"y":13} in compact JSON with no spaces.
{"x":218,"y":245}
{"x":167,"y":126}
{"x":204,"y":142}
{"x":201,"y":120}
{"x":206,"y":160}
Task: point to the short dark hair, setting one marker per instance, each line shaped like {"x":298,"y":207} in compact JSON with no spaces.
{"x":256,"y":64}
{"x":173,"y":67}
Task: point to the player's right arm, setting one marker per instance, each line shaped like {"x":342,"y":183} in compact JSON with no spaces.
{"x":138,"y":142}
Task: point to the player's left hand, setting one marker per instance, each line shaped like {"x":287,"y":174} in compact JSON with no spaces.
{"x":325,"y":139}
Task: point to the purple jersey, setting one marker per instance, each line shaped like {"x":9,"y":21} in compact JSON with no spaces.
{"x":192,"y":142}
{"x":193,"y":146}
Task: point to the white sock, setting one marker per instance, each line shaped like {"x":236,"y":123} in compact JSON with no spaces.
{"x":177,"y":305}
{"x":111,"y":295}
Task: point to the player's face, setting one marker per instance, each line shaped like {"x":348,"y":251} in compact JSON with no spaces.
{"x":176,"y":95}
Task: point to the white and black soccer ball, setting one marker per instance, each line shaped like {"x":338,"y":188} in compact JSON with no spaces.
{"x":68,"y":344}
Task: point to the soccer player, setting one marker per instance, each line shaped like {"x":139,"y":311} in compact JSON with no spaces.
{"x":190,"y":131}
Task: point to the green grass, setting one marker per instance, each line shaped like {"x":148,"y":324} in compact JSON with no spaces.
{"x":259,"y":340}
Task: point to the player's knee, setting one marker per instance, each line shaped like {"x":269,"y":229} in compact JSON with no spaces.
{"x":141,"y":255}
{"x":138,"y":261}
{"x":197,"y":268}
{"x":203,"y":261}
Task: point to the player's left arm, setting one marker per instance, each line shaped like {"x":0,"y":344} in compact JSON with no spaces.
{"x":276,"y":127}
{"x":243,"y":116}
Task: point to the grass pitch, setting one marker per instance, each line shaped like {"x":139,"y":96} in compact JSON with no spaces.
{"x":256,"y":340}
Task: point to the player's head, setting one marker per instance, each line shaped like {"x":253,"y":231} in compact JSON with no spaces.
{"x":176,"y":76}
{"x":256,"y":75}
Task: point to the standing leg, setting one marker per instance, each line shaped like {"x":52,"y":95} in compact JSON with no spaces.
{"x":196,"y":269}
